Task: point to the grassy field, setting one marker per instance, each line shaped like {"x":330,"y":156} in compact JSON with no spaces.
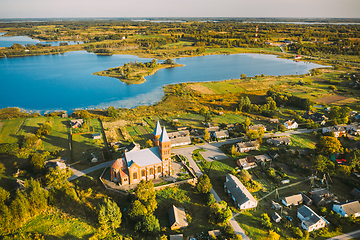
{"x":8,"y":131}
{"x":56,"y":225}
{"x":83,"y":144}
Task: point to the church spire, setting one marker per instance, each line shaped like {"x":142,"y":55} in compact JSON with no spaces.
{"x":164,"y":136}
{"x":157,"y":130}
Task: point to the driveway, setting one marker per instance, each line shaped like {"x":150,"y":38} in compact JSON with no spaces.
{"x":78,"y":173}
{"x":346,"y":236}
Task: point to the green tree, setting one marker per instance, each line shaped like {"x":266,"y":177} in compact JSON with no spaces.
{"x":36,"y":196}
{"x":37,"y":163}
{"x":329,"y":145}
{"x":233,"y":150}
{"x":137,"y":210}
{"x":57,"y":178}
{"x":169,"y":61}
{"x":211,"y":199}
{"x":145,"y":193}
{"x":112,"y":112}
{"x":4,"y":196}
{"x":150,"y":224}
{"x":265,"y":220}
{"x":322,"y":164}
{"x":252,"y":134}
{"x":282,"y":128}
{"x":109,"y":215}
{"x":149,"y":144}
{"x":206,"y":135}
{"x":242,"y":76}
{"x":273,"y":235}
{"x":247,"y":123}
{"x":204,"y":185}
{"x":20,"y":207}
{"x":245,"y":176}
{"x":84,"y":114}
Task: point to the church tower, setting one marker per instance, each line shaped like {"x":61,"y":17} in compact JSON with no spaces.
{"x":164,"y":146}
{"x":157,"y":134}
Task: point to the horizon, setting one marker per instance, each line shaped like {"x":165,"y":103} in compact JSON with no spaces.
{"x":186,"y":9}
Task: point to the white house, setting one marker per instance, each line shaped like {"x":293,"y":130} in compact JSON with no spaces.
{"x":347,"y":209}
{"x":310,"y":221}
{"x":221,"y":134}
{"x":289,"y":124}
{"x":238,"y":192}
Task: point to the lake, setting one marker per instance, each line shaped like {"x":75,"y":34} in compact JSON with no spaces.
{"x":22,"y":40}
{"x":65,"y":81}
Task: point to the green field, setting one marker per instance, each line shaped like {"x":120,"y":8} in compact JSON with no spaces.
{"x":83,"y":144}
{"x":9,"y":129}
{"x":224,"y":87}
{"x":58,"y":226}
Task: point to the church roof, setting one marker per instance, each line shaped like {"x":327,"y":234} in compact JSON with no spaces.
{"x":157,"y":130}
{"x":143,"y":157}
{"x":164,"y":136}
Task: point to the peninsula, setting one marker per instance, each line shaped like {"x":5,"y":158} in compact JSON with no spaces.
{"x":135,"y":72}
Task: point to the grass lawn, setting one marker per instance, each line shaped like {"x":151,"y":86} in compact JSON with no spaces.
{"x":55,"y":225}
{"x":189,"y":119}
{"x":83,"y":144}
{"x":9,"y":129}
{"x":304,"y":140}
{"x":224,"y":87}
{"x":229,"y":118}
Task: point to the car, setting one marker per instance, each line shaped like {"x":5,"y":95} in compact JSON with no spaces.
{"x":288,"y":218}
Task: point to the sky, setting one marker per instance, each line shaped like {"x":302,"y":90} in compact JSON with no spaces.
{"x":179,"y":8}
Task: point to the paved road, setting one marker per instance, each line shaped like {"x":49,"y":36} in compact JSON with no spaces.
{"x":78,"y":173}
{"x":346,"y":236}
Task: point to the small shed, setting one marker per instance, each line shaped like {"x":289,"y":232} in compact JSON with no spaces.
{"x":276,"y":217}
{"x":177,"y":237}
{"x":96,"y":136}
{"x":275,"y":205}
{"x":93,"y":158}
{"x":285,"y":181}
{"x":177,"y":218}
{"x":214,"y":233}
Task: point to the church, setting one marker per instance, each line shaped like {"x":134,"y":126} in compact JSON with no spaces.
{"x":144,"y":164}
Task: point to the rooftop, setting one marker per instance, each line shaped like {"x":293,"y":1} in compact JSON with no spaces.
{"x":238,"y":190}
{"x":143,"y":157}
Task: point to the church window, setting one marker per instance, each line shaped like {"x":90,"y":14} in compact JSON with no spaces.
{"x":142,"y":173}
{"x":159,"y":169}
{"x":151,"y":171}
{"x":134,"y":175}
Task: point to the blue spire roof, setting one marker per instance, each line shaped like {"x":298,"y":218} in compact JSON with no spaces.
{"x":164,"y":136}
{"x":157,"y":130}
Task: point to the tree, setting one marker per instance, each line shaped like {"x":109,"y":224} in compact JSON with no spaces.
{"x":149,"y":144}
{"x":112,"y":112}
{"x":282,"y":128}
{"x":57,"y":178}
{"x":20,"y":207}
{"x":339,"y":114}
{"x":329,"y":145}
{"x":109,"y":215}
{"x":206,"y":135}
{"x":247,"y":123}
{"x":84,"y":114}
{"x":37,"y":162}
{"x":4,"y":195}
{"x":242,"y":76}
{"x":233,"y":150}
{"x":203,"y":185}
{"x":169,"y":61}
{"x":273,"y":235}
{"x":211,"y":199}
{"x":36,"y":196}
{"x":150,"y":224}
{"x":265,"y":220}
{"x":245,"y":176}
{"x":322,"y":164}
{"x":252,"y":134}
{"x":137,"y":210}
{"x":145,"y":193}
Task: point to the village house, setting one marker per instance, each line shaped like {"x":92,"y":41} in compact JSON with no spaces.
{"x":247,"y":146}
{"x":279,"y":141}
{"x":293,"y":200}
{"x":347,"y":209}
{"x":132,"y":147}
{"x":144,"y":164}
{"x":276,"y":217}
{"x":257,"y":127}
{"x":177,"y":218}
{"x":177,"y":237}
{"x":310,"y":221}
{"x":353,"y":129}
{"x":289,"y":124}
{"x":55,"y":163}
{"x":262,"y":158}
{"x":96,"y":136}
{"x":180,"y":138}
{"x":321,"y":196}
{"x":221,"y":134}
{"x":247,"y":163}
{"x":273,"y":120}
{"x":76,"y":123}
{"x":316,"y":117}
{"x":237,"y":191}
{"x":338,"y":130}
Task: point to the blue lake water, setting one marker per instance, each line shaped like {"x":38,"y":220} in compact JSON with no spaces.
{"x":9,"y":41}
{"x":65,"y":81}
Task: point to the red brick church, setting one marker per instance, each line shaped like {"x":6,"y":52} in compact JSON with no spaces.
{"x":144,"y":164}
